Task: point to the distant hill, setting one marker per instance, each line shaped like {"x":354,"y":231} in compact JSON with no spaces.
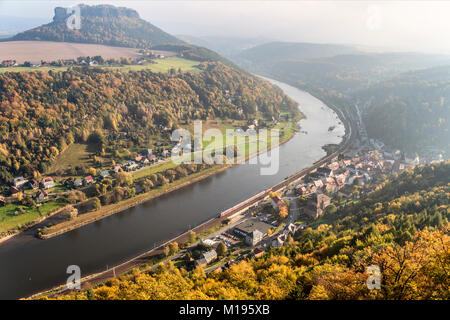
{"x":228,"y":46}
{"x":412,"y":110}
{"x":292,"y":50}
{"x":101,"y":24}
{"x":405,"y":95}
{"x":115,"y":26}
{"x":331,"y":67}
{"x":198,"y":41}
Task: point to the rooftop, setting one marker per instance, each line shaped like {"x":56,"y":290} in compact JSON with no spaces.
{"x":253,"y":224}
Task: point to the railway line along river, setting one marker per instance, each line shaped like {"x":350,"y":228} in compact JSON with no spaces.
{"x":29,"y":265}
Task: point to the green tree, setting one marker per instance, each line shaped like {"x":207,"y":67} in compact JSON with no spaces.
{"x":96,"y":204}
{"x":192,"y":236}
{"x":221,"y":249}
{"x":173,"y":248}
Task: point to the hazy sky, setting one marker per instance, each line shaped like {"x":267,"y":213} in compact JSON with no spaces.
{"x":404,"y":25}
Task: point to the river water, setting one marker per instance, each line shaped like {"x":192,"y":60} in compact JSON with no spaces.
{"x":29,"y":265}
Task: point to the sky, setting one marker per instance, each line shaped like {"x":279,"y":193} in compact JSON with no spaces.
{"x":392,"y":25}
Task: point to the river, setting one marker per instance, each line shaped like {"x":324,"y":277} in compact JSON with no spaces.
{"x":29,"y":265}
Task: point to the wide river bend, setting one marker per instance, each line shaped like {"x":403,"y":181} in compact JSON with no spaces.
{"x":29,"y":265}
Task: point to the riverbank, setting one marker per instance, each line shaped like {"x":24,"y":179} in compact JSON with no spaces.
{"x":118,"y":238}
{"x":152,"y":255}
{"x":145,"y":260}
{"x":32,"y":224}
{"x":155,"y":254}
{"x":109,"y":210}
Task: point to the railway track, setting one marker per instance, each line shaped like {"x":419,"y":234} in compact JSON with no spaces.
{"x":350,"y":126}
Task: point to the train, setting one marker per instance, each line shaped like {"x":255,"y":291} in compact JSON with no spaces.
{"x":289,"y":179}
{"x":258,"y":196}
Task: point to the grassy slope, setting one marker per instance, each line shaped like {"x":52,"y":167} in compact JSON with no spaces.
{"x":75,"y":155}
{"x":162,"y":65}
{"x":10,"y":221}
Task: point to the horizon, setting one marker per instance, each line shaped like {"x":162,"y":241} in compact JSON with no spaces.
{"x":406,"y":26}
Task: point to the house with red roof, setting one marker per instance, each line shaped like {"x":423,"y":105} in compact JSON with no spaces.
{"x":277,"y":202}
{"x":88,"y":180}
{"x":47,"y":183}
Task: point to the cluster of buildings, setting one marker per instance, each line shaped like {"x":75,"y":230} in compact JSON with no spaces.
{"x":20,"y":184}
{"x":146,"y":157}
{"x":156,"y":54}
{"x":14,"y":63}
{"x":8,"y":63}
{"x":86,"y":181}
{"x":281,"y":239}
{"x":340,"y":175}
{"x":81,"y":61}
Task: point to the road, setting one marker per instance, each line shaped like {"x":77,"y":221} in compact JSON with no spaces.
{"x":294,"y":211}
{"x":151,"y":254}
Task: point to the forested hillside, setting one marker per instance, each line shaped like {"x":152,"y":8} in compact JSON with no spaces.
{"x":402,"y":227}
{"x":344,"y":72}
{"x":101,"y":24}
{"x":285,"y":51}
{"x":42,"y":113}
{"x":408,"y":93}
{"x":412,"y":110}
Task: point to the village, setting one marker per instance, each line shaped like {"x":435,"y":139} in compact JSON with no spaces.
{"x":49,"y":193}
{"x":147,"y":56}
{"x":29,"y":200}
{"x":20,"y":185}
{"x":273,"y":221}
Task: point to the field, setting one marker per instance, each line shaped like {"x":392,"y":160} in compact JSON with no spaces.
{"x":161,"y":65}
{"x":9,"y":221}
{"x":154,"y":169}
{"x":35,"y":51}
{"x":75,"y":155}
{"x":31,"y":69}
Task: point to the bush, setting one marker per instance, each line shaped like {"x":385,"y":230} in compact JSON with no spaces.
{"x":96,"y":204}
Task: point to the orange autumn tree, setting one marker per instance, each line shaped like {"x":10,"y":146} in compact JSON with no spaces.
{"x":418,"y":270}
{"x":283,"y":213}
